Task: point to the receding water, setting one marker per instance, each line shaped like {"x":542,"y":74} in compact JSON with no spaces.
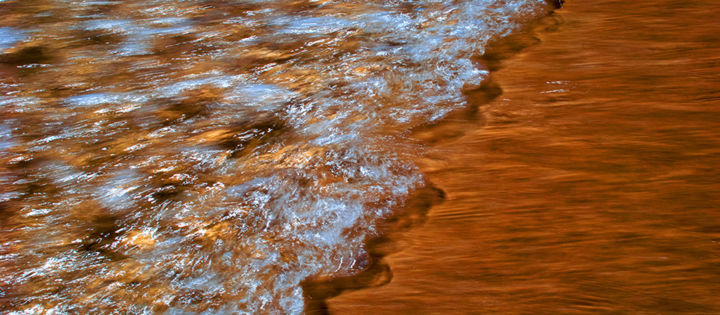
{"x":591,"y":185}
{"x":212,"y":156}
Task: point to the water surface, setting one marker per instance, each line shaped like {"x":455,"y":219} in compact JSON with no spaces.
{"x":589,"y":186}
{"x":211,"y":155}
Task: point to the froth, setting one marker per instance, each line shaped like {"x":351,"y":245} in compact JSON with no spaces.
{"x":221,"y":156}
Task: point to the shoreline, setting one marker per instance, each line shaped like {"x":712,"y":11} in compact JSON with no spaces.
{"x":413,"y":214}
{"x":585,"y":187}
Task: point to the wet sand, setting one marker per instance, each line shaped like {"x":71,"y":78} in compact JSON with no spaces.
{"x":590,"y":185}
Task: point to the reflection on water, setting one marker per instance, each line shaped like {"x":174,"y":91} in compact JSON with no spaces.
{"x":211,"y":155}
{"x":590,"y":185}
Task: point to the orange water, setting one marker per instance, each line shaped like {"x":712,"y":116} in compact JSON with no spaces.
{"x":211,"y":156}
{"x":230,"y":156}
{"x":590,"y":185}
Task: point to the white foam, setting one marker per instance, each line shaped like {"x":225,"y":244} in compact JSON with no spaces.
{"x":299,"y":201}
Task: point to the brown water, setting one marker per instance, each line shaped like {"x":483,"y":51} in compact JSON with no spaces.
{"x":590,"y":185}
{"x":236,"y":156}
{"x":211,"y":156}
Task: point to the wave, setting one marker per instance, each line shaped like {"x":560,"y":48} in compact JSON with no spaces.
{"x":210,"y":156}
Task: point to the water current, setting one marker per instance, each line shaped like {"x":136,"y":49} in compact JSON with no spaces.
{"x":211,"y":156}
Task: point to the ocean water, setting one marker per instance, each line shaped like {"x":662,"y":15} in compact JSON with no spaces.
{"x":210,"y":156}
{"x":589,"y":186}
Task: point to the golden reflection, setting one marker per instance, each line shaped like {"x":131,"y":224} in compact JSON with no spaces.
{"x":589,"y":185}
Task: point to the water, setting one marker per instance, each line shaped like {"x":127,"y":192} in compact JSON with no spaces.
{"x":211,"y":156}
{"x":590,"y":185}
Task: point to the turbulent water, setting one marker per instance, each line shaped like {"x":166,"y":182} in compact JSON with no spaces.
{"x":192,"y":156}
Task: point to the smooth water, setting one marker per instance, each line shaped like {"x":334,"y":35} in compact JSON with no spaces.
{"x":210,"y":156}
{"x":590,"y":186}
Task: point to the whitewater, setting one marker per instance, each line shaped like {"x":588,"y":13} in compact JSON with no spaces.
{"x":210,"y":156}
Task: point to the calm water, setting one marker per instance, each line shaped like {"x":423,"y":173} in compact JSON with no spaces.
{"x":211,"y":156}
{"x":591,"y":185}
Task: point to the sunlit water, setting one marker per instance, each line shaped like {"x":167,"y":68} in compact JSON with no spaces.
{"x":191,"y":156}
{"x":591,"y":185}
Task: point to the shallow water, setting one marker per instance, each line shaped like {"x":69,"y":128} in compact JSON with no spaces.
{"x":589,"y":186}
{"x":212,"y":156}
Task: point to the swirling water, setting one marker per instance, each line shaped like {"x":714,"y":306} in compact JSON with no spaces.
{"x":210,"y":156}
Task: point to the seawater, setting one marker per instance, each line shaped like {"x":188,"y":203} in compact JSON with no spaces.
{"x":210,"y":156}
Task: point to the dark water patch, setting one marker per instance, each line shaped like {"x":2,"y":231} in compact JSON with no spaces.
{"x":197,"y":101}
{"x":27,"y":56}
{"x":508,"y":46}
{"x":103,"y":232}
